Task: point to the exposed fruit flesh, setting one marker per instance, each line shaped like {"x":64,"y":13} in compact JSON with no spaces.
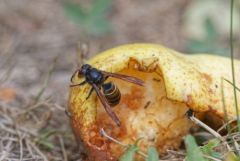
{"x":145,"y":112}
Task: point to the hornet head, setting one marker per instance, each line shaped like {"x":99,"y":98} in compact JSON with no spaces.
{"x":84,"y":69}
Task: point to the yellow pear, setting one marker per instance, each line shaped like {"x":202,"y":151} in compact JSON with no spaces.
{"x":174,"y":83}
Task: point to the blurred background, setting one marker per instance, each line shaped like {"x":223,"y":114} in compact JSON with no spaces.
{"x":40,"y":42}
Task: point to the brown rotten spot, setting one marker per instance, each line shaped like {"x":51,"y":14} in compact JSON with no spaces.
{"x":156,"y":112}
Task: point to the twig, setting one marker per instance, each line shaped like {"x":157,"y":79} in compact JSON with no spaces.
{"x":33,"y":107}
{"x":46,"y":80}
{"x":200,"y":123}
{"x":225,"y":125}
{"x":5,"y":152}
{"x":37,"y":150}
{"x":63,"y":148}
{"x":9,"y":130}
{"x":27,"y":131}
{"x":212,"y":158}
{"x":21,"y":148}
{"x":176,"y":152}
{"x":34,"y":117}
{"x":59,"y":107}
{"x":82,"y":51}
{"x":236,"y":145}
{"x":67,"y":112}
{"x":29,"y":149}
{"x":7,"y":74}
{"x":191,"y":116}
{"x":103,"y":133}
{"x":10,"y":51}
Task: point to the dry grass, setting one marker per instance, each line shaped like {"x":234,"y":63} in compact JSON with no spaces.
{"x":33,"y":132}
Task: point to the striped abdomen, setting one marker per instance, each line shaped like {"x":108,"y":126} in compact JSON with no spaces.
{"x":112,"y":93}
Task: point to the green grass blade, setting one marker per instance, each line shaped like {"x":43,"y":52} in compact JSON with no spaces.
{"x":98,"y":26}
{"x":46,"y":144}
{"x":129,"y":154}
{"x":193,"y":151}
{"x":208,"y":149}
{"x":232,"y":64}
{"x":231,"y":157}
{"x":210,"y":29}
{"x":46,"y":81}
{"x":74,"y":12}
{"x":224,"y":106}
{"x":232,"y":84}
{"x":100,"y":7}
{"x":152,"y":154}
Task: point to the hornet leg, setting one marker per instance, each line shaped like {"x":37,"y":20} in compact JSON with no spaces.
{"x":90,"y":92}
{"x":80,"y":84}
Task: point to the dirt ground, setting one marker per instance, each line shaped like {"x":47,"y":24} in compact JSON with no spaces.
{"x":38,"y":51}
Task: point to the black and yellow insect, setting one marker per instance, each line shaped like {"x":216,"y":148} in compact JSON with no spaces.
{"x":111,"y":94}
